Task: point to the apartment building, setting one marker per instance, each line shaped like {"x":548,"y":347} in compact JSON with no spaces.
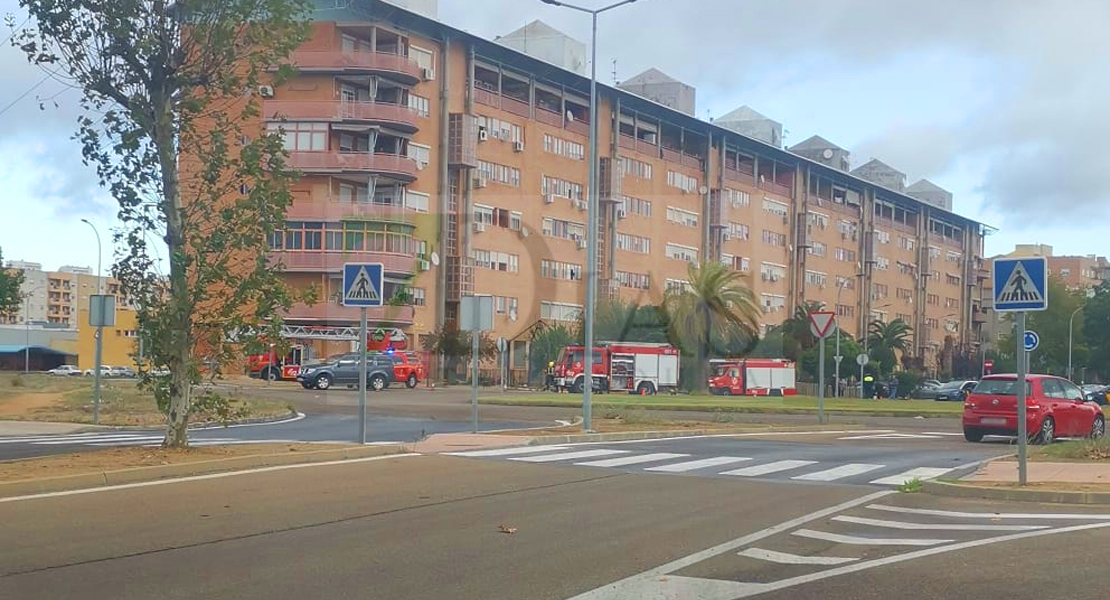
{"x":461,"y":164}
{"x":55,"y":297}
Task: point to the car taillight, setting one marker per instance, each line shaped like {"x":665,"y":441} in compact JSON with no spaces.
{"x":969,"y":404}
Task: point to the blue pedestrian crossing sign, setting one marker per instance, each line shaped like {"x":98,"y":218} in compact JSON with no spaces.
{"x":1020,"y":284}
{"x":362,"y":284}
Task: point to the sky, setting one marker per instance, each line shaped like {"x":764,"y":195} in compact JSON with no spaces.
{"x":999,"y":102}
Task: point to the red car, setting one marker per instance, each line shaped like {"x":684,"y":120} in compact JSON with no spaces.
{"x":407,"y":368}
{"x":1055,"y":408}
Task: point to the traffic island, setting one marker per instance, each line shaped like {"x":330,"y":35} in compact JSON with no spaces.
{"x":135,"y":465}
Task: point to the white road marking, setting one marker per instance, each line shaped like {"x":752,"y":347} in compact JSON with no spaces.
{"x":784,"y":558}
{"x":691,"y":465}
{"x":127,"y":486}
{"x":848,"y":470}
{"x":951,"y":433}
{"x":934,"y":526}
{"x":568,"y":455}
{"x":890,"y":436}
{"x":631,"y":460}
{"x":739,"y":435}
{"x":856,"y":540}
{"x":774,"y":467}
{"x":918,"y":473}
{"x":645,"y":585}
{"x":989,"y":515}
{"x":46,"y":438}
{"x":506,"y":451}
{"x":116,"y":438}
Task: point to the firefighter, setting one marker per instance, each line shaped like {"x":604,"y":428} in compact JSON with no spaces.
{"x":868,"y":386}
{"x":549,"y":378}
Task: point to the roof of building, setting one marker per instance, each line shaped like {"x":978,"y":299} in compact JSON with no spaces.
{"x":814,"y":142}
{"x":649,"y":76}
{"x":924,"y":185}
{"x":875,"y":165}
{"x":581,"y":84}
{"x":17,"y":349}
{"x":536,"y":28}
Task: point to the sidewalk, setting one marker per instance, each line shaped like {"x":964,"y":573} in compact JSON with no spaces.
{"x":1005,"y":471}
{"x":22,"y":428}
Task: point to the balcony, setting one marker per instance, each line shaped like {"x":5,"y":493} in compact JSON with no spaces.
{"x":394,"y":66}
{"x":401,"y":168}
{"x":389,"y":115}
{"x":320,"y":261}
{"x":338,"y":211}
{"x":329,"y":312}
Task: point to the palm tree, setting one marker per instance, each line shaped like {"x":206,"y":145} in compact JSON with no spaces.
{"x":715,"y":300}
{"x":797,"y":338}
{"x":886,"y":338}
{"x":622,"y":321}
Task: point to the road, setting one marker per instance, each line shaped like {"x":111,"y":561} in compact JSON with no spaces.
{"x":432,"y":527}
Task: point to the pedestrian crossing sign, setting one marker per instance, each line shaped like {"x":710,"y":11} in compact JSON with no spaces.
{"x":1020,"y":284}
{"x":362,"y":284}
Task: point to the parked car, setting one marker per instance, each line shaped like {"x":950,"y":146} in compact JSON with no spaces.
{"x":66,"y":371}
{"x":105,"y":371}
{"x":406,"y":368}
{"x":1055,"y":408}
{"x":953,"y":390}
{"x":1097,"y":393}
{"x":344,"y":370}
{"x":122,"y":372}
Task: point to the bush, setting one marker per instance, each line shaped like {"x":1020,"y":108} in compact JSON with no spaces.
{"x":908,"y":381}
{"x":17,"y":381}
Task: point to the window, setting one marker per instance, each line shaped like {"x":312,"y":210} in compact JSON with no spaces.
{"x":636,"y":206}
{"x":951,"y":303}
{"x":903,"y":293}
{"x":772,"y":272}
{"x":683,"y":253}
{"x":566,"y":148}
{"x":954,"y":256}
{"x":816,"y":278}
{"x":425,"y":58}
{"x":932,"y":300}
{"x":772,"y":302}
{"x":883,"y":264}
{"x":637,"y":168}
{"x":499,"y":173}
{"x":934,"y":252}
{"x":845,"y":255}
{"x":738,"y":231}
{"x":676,"y":286}
{"x":501,"y":130}
{"x":742,"y":264}
{"x":636,"y":281}
{"x":847,"y":228}
{"x":1064,"y":272}
{"x":419,"y":296}
{"x":496,"y":261}
{"x":553,"y":269}
{"x":421,"y":154}
{"x":682,"y":181}
{"x":906,"y":268}
{"x":883,"y":237}
{"x":816,"y":219}
{"x":775,"y":207}
{"x":880,"y":290}
{"x":562,"y":188}
{"x":845,"y":310}
{"x":504,"y":305}
{"x":419,"y":105}
{"x":774,"y":239}
{"x":907,"y":243}
{"x":417,"y":201}
{"x":483,"y":214}
{"x":818,"y":249}
{"x":952,"y":279}
{"x":558,"y":311}
{"x":633,"y":243}
{"x":848,"y":283}
{"x":932,"y":323}
{"x":566,"y":230}
{"x":682,"y":217}
{"x":302,"y":137}
{"x":736,"y":198}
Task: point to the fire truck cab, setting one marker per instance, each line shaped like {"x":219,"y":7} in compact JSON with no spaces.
{"x":752,"y":377}
{"x":635,"y":368}
{"x":274,"y":368}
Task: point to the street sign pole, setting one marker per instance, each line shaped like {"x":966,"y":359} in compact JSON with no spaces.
{"x":362,"y":376}
{"x":821,"y":381}
{"x":474,"y":342}
{"x":1023,"y":435}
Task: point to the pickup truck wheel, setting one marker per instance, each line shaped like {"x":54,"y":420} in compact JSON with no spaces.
{"x":323,"y":382}
{"x":377,"y":383}
{"x":726,"y":391}
{"x":411,"y":381}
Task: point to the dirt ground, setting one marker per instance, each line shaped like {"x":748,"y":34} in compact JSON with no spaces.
{"x":1048,"y":486}
{"x":127,"y":458}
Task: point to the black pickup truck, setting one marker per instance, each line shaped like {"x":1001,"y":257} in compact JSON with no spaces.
{"x":343,"y":370}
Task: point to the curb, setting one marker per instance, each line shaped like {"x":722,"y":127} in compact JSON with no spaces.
{"x":25,"y":487}
{"x":956,"y":490}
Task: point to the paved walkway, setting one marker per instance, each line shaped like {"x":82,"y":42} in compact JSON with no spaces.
{"x":1043,"y":472}
{"x":456,"y":442}
{"x":22,"y":428}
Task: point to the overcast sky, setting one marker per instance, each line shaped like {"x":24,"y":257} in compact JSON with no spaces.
{"x":1000,"y":102}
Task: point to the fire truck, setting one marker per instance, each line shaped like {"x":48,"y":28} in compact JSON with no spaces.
{"x":636,"y":368}
{"x":752,"y":377}
{"x":277,"y":368}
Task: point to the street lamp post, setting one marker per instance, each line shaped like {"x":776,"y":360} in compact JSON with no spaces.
{"x":592,"y":220}
{"x":837,"y":357}
{"x":99,"y":328}
{"x":1071,"y":329}
{"x":27,"y":329}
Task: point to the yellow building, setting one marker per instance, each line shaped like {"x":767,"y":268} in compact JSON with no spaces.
{"x":120,"y":341}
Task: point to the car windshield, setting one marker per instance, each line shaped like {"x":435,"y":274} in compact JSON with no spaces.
{"x":952,"y":385}
{"x":1000,"y":387}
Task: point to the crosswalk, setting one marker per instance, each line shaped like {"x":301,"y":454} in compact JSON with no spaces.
{"x":776,"y":466}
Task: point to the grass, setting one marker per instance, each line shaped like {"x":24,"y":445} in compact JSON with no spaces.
{"x":910,"y":486}
{"x":12,"y":384}
{"x":1073,"y":451}
{"x":722,"y":405}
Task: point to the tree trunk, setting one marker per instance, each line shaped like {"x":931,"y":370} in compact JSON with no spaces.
{"x":703,"y":352}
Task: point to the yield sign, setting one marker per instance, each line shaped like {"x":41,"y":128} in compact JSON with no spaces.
{"x":821,"y":323}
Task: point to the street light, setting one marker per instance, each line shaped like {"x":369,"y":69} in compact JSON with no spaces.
{"x":100,"y":327}
{"x":837,"y":357}
{"x":591,"y":212}
{"x":1071,"y":328}
{"x":27,"y":328}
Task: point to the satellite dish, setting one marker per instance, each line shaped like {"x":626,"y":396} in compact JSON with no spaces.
{"x":828,"y":153}
{"x":435,"y":259}
{"x":704,"y":190}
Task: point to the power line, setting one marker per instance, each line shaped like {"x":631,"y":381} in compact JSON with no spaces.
{"x":24,"y":94}
{"x":16,"y":30}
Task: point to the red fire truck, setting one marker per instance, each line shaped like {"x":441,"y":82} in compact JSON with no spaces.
{"x":752,"y":377}
{"x":636,"y":368}
{"x":277,"y":368}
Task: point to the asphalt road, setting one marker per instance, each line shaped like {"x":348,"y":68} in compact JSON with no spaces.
{"x":431,"y":527}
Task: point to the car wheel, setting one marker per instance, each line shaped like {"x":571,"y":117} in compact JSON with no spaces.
{"x":411,"y":381}
{"x":973,"y":435}
{"x":377,"y":383}
{"x":1047,"y":433}
{"x":726,"y":391}
{"x":1098,"y":428}
{"x":323,"y":382}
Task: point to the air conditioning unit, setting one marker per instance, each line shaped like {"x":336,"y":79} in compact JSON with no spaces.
{"x":774,"y":278}
{"x":549,"y":198}
{"x":427,"y":74}
{"x":726,"y":236}
{"x":765,"y":277}
{"x":479,"y":182}
{"x":479,"y":227}
{"x":581,"y":244}
{"x":483,"y":133}
{"x":266,"y":91}
{"x":518,"y":146}
{"x":621,"y":213}
{"x":580,"y":204}
{"x":423,"y":265}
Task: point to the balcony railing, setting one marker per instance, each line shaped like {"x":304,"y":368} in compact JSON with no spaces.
{"x":549,"y":117}
{"x":334,"y":210}
{"x":322,"y":261}
{"x":777,"y":188}
{"x":378,"y":62}
{"x":487,"y":97}
{"x":394,"y":115}
{"x":392,"y":165}
{"x":333,"y":312}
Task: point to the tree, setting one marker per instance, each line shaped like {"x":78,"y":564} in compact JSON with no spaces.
{"x":171,"y":125}
{"x":11,"y":281}
{"x":715,"y":303}
{"x":796,"y":335}
{"x":885,"y":340}
{"x":621,"y":321}
{"x":454,"y":345}
{"x":546,"y":345}
{"x":849,"y":349}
